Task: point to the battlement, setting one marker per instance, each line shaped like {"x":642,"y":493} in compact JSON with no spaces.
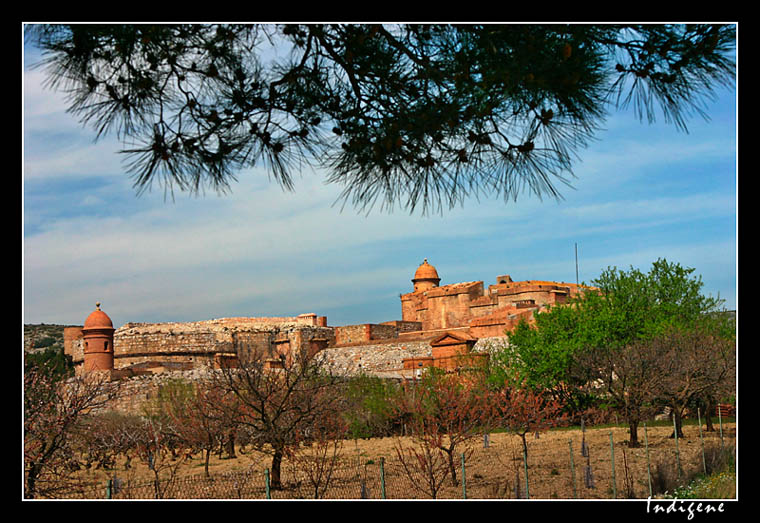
{"x":463,"y":312}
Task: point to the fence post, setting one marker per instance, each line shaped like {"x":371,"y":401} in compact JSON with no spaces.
{"x":720,"y":422}
{"x":649,"y":469}
{"x":382,"y":477}
{"x":572,"y":469}
{"x":464,"y":480}
{"x":525,"y":463}
{"x":584,"y":448}
{"x":701,"y":440}
{"x":678,"y":454}
{"x":109,"y":485}
{"x":612,"y":455}
{"x":266,"y":484}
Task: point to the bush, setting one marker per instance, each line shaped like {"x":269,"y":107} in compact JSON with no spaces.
{"x":44,"y":342}
{"x":694,"y":484}
{"x":370,"y":412}
{"x":52,"y":361}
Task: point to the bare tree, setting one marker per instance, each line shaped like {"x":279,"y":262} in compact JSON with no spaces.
{"x":155,"y":442}
{"x":279,"y":406}
{"x":423,"y":461}
{"x":631,"y":375}
{"x":524,"y":410}
{"x":447,"y":410}
{"x":53,"y":411}
{"x":696,"y":361}
{"x":319,"y":453}
{"x":199,"y":414}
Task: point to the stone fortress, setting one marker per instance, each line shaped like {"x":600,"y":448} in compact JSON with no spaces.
{"x":439,"y":323}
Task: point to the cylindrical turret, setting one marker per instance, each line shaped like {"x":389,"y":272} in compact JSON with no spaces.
{"x":97,"y":335}
{"x":426,"y":277}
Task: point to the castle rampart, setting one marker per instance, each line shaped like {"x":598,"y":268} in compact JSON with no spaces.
{"x":438,"y":324}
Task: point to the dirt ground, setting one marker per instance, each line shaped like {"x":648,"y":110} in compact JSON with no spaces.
{"x":494,"y":472}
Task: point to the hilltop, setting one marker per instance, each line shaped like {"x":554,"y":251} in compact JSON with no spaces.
{"x":38,"y":337}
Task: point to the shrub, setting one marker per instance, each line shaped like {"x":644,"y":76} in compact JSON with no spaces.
{"x":47,"y":341}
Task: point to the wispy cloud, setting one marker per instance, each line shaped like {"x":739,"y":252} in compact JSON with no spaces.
{"x":642,"y":192}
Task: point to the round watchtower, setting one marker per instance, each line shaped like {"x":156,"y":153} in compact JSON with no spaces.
{"x":426,"y":277}
{"x":97,"y":337}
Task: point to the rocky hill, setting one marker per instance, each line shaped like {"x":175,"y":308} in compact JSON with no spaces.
{"x":43,"y":336}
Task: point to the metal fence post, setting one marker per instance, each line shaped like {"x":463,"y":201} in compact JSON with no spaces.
{"x":612,"y":456}
{"x":649,"y":469}
{"x":382,"y":477}
{"x":678,"y":454}
{"x":266,"y":484}
{"x":109,"y":489}
{"x":464,"y":480}
{"x":572,"y":469}
{"x":701,"y":440}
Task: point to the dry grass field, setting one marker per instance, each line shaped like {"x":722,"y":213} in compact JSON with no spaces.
{"x":495,"y":472}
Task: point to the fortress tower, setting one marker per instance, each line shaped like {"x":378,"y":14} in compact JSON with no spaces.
{"x":426,"y":277}
{"x":97,"y":336}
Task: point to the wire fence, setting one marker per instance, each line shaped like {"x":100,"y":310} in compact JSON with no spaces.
{"x":593,"y":465}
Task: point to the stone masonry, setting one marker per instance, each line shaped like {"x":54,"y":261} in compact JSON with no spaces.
{"x":438,"y":324}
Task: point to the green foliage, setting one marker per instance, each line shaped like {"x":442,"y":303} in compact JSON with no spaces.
{"x":47,"y":341}
{"x":404,"y":114}
{"x":371,"y":410}
{"x":51,"y":361}
{"x":172,"y":397}
{"x":630,"y":306}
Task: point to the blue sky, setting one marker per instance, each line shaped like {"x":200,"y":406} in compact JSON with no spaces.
{"x":642,"y":192}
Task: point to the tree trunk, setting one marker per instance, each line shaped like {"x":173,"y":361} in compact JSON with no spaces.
{"x":31,"y":479}
{"x":452,"y":466}
{"x":274,"y":481}
{"x":677,"y":413}
{"x":709,"y":410}
{"x":208,"y":456}
{"x":230,"y":445}
{"x":525,"y":445}
{"x":633,"y":429}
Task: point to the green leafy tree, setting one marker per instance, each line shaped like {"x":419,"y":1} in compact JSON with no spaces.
{"x":414,"y":115}
{"x":603,"y":336}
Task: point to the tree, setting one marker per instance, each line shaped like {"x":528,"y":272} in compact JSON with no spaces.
{"x":53,"y":412}
{"x":525,"y":410}
{"x":52,"y":361}
{"x":445,"y":412}
{"x":371,"y":406}
{"x":696,"y":362}
{"x":198,"y":414}
{"x":631,"y":376}
{"x":319,"y":454}
{"x":542,"y":356}
{"x":278,"y":407}
{"x":605,"y":335}
{"x":414,"y":115}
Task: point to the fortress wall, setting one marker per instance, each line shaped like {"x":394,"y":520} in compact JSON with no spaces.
{"x":379,"y":357}
{"x":404,"y":326}
{"x":352,"y":334}
{"x":73,"y":344}
{"x":382,"y":332}
{"x":348,"y":334}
